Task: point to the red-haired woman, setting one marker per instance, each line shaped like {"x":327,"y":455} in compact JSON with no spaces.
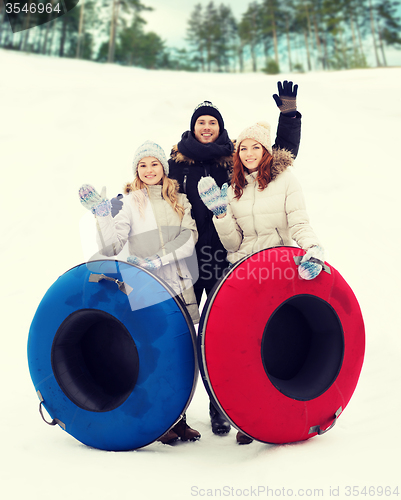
{"x":264,"y":206}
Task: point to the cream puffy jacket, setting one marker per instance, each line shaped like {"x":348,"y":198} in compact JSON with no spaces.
{"x":275,"y":216}
{"x":157,"y":231}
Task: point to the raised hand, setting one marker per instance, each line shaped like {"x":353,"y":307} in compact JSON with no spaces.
{"x":212,"y":196}
{"x":92,"y":200}
{"x":286,"y":99}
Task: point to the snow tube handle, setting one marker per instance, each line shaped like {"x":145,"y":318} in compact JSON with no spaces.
{"x":316,"y":428}
{"x":123,"y":287}
{"x":55,"y":421}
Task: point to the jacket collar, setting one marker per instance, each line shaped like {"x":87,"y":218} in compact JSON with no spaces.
{"x":155,"y":191}
{"x":251,"y":177}
{"x":223,"y":161}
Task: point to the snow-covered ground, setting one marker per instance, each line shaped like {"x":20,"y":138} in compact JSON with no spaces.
{"x":66,"y":122}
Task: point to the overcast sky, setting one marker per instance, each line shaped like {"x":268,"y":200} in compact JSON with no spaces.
{"x":169,"y":17}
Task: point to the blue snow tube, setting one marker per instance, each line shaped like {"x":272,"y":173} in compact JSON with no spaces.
{"x":112,"y":355}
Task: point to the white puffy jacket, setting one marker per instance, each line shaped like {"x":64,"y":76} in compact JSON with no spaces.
{"x":275,"y":216}
{"x":159,"y":230}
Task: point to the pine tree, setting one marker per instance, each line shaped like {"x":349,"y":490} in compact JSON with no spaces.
{"x":2,"y":19}
{"x":210,"y":33}
{"x":389,"y":25}
{"x":270,"y":11}
{"x":119,"y":7}
{"x":351,"y":14}
{"x":225,"y":30}
{"x":47,"y":27}
{"x":288,"y":14}
{"x":195,"y":36}
{"x":137,"y":48}
{"x":302,"y":26}
{"x":249,"y":31}
{"x":81,"y":29}
{"x":373,"y":31}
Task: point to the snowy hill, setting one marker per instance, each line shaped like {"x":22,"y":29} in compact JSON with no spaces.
{"x":66,"y":122}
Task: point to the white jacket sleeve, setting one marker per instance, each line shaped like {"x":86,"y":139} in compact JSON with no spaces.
{"x":297,"y":216}
{"x":112,"y":234}
{"x":184,"y":244}
{"x":229,"y":232}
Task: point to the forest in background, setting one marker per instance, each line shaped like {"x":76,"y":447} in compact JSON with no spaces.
{"x":299,"y":35}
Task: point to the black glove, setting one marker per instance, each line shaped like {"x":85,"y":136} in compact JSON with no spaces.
{"x":286,"y":99}
{"x":116,"y":205}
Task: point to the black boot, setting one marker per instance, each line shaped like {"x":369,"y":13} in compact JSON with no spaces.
{"x":220,"y":426}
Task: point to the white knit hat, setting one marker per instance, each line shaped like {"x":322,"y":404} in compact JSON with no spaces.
{"x":260,"y":132}
{"x":150,"y":148}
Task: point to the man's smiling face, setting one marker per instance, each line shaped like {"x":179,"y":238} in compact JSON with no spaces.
{"x":206,"y":129}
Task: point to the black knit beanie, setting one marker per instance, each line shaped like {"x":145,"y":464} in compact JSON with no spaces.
{"x":207,"y":108}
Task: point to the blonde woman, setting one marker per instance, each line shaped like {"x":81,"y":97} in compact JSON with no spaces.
{"x":154,"y":219}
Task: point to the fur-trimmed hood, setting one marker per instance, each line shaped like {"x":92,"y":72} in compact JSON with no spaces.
{"x":128,"y":187}
{"x":282,"y":159}
{"x":224,"y":161}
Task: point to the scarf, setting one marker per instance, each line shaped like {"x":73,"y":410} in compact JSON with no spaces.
{"x":189,"y":146}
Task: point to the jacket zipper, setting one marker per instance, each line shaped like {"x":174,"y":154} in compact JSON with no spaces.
{"x":279,"y":235}
{"x":158,"y":227}
{"x":184,"y":182}
{"x":253,"y":217}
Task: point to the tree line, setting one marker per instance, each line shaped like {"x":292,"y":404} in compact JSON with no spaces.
{"x":301,"y":35}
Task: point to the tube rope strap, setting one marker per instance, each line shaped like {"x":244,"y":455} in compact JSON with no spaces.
{"x":316,"y":428}
{"x":123,"y":287}
{"x":55,"y":421}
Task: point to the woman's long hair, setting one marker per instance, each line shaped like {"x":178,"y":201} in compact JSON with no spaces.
{"x":140,"y":194}
{"x":264,"y":172}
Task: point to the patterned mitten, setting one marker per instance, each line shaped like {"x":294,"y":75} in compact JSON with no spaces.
{"x":311,"y":263}
{"x":92,"y":200}
{"x":150,"y":263}
{"x":212,"y":196}
{"x":286,"y":99}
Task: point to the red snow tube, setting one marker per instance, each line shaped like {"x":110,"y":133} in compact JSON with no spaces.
{"x":281,"y":356}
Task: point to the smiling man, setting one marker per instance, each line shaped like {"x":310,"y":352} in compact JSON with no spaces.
{"x":206,"y":149}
